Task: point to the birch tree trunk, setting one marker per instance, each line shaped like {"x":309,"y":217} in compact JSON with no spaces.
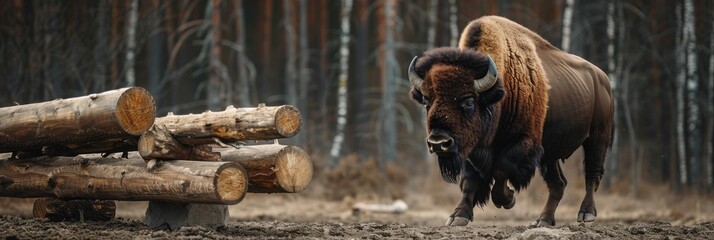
{"x":342,"y":81}
{"x":567,"y":22}
{"x":680,"y":96}
{"x":453,"y":23}
{"x":692,"y":81}
{"x":131,"y":43}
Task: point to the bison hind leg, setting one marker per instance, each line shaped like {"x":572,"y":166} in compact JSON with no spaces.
{"x":595,"y":148}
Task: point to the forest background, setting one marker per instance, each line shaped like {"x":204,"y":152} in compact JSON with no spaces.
{"x":343,"y":64}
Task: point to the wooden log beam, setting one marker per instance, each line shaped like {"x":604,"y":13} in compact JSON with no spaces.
{"x":104,"y":122}
{"x":123,"y":179}
{"x":74,"y":210}
{"x":233,"y":124}
{"x":158,"y":143}
{"x":272,"y":168}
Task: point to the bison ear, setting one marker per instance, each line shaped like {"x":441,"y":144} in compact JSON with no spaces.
{"x":492,"y":95}
{"x":417,"y":96}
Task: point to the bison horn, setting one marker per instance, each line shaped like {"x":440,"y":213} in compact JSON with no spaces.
{"x":486,"y":82}
{"x":413,"y":76}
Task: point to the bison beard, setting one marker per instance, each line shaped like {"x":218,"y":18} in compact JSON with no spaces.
{"x":450,"y":167}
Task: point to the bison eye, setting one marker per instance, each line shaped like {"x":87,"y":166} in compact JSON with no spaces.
{"x":467,"y":104}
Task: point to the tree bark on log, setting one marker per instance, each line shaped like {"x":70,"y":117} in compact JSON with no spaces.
{"x":104,"y":122}
{"x":272,"y":168}
{"x":123,"y":179}
{"x":233,"y":124}
{"x":158,"y":143}
{"x":74,"y":210}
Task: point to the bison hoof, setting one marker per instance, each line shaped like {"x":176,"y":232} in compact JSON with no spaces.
{"x":542,"y":223}
{"x":457,"y":221}
{"x":586,"y":217}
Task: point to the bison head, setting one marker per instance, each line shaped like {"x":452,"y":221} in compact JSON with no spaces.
{"x":460,"y":90}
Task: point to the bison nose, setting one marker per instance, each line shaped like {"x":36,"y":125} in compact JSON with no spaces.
{"x":439,"y":142}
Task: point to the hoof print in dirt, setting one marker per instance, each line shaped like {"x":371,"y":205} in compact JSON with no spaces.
{"x":541,"y":223}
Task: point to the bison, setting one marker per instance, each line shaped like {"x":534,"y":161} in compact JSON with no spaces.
{"x":506,"y":102}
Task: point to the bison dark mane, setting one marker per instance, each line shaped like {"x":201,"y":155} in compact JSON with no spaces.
{"x":466,"y":58}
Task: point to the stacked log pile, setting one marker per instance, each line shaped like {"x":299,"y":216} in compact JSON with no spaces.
{"x":195,"y":158}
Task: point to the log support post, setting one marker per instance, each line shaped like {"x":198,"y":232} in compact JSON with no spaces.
{"x":171,"y":215}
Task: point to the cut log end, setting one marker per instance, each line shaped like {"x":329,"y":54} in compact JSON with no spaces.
{"x":231,"y":183}
{"x":145,"y":145}
{"x":136,"y":110}
{"x":288,"y":121}
{"x":294,"y":169}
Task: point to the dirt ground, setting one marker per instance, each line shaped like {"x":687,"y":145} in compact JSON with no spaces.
{"x":278,"y":217}
{"x":304,"y":216}
{"x":653,"y":212}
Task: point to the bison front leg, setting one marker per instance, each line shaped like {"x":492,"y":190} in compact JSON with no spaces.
{"x":554,"y":178}
{"x":474,"y":191}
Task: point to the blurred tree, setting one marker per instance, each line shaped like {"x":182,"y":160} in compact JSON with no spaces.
{"x":195,"y":55}
{"x":681,"y":94}
{"x":246,"y":71}
{"x":709,"y":135}
{"x":386,"y":127}
{"x":215,"y":91}
{"x":453,"y":26}
{"x":567,"y":23}
{"x":291,"y":84}
{"x":342,"y":81}
{"x":303,"y":70}
{"x":131,"y":43}
{"x":612,"y":161}
{"x":689,"y":40}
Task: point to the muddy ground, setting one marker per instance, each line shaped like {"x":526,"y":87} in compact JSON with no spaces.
{"x":324,"y":211}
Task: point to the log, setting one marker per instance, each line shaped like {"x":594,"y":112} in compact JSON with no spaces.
{"x":231,"y":125}
{"x":104,"y":122}
{"x":157,"y":143}
{"x":74,"y":210}
{"x":123,"y":179}
{"x":272,"y":168}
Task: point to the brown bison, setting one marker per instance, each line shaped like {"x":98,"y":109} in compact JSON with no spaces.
{"x":505,"y":102}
